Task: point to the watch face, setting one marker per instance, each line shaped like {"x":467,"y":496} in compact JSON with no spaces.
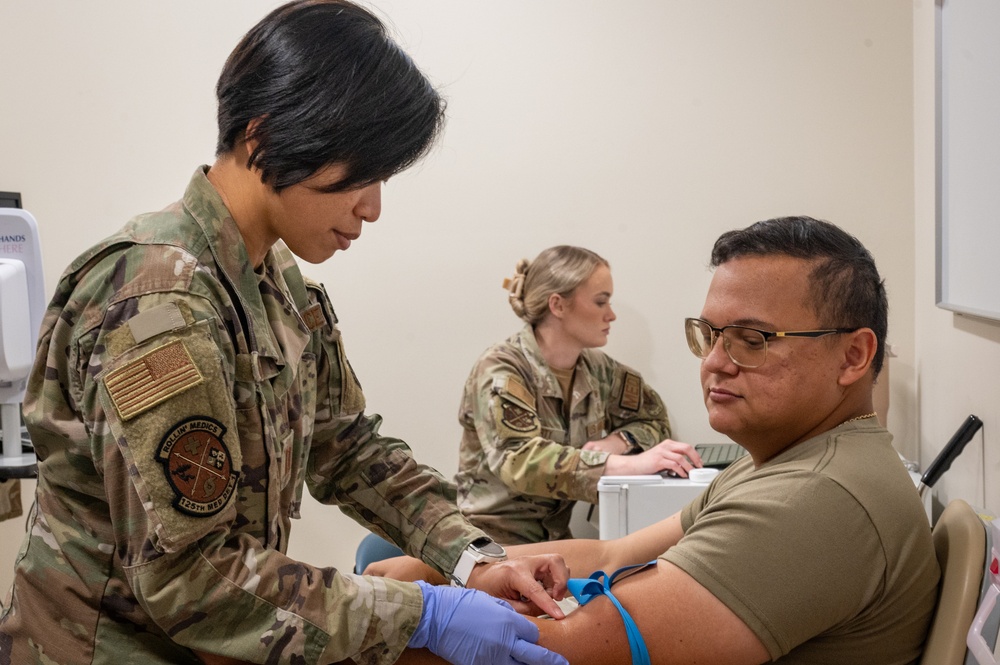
{"x":488,"y":547}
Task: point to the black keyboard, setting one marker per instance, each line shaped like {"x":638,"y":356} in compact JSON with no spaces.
{"x":719,"y":455}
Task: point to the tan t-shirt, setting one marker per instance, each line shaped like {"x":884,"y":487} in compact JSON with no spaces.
{"x":825,"y":551}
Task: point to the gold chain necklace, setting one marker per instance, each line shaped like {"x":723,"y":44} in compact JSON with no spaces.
{"x":851,"y":420}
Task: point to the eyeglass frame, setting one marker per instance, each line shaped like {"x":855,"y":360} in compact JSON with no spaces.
{"x":718,"y":333}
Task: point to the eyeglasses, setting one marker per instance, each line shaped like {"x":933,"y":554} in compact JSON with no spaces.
{"x":747,"y":347}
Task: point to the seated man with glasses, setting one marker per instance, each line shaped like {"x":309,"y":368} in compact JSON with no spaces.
{"x":814,"y":548}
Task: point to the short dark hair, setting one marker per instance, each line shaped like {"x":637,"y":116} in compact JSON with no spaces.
{"x":845,"y":285}
{"x":327,"y":85}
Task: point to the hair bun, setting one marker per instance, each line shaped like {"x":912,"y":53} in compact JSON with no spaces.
{"x":515,"y":286}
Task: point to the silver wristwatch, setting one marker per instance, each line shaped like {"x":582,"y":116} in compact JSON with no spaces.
{"x":480,"y":550}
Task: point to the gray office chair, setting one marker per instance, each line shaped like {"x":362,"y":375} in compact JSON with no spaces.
{"x":960,"y":545}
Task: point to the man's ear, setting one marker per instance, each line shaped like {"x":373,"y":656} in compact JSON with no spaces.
{"x":859,"y":352}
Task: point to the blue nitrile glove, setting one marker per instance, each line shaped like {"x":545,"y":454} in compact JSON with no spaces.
{"x":469,"y":627}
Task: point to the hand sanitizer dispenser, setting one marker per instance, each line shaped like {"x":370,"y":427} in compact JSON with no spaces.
{"x":22,"y":305}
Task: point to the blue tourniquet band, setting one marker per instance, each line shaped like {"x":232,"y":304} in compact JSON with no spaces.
{"x":585,"y":590}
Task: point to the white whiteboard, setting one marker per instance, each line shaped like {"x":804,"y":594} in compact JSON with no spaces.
{"x":968,"y":157}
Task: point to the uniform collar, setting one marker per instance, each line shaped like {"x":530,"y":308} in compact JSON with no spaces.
{"x":209,"y":211}
{"x":548,"y":382}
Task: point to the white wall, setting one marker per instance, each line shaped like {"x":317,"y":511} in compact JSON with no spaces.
{"x":641,"y":129}
{"x":958,"y":356}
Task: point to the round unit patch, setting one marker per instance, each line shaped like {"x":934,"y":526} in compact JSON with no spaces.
{"x":517,"y":417}
{"x":198,"y":466}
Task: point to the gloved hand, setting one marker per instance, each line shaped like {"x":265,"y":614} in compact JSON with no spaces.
{"x":469,"y":627}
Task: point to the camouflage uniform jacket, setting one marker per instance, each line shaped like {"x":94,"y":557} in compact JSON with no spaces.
{"x":180,"y":401}
{"x":520,"y":465}
{"x":10,"y":499}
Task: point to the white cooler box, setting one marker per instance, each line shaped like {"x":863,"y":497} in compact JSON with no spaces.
{"x":629,"y":503}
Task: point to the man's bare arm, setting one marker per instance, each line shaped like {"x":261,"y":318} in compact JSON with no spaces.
{"x":582,"y":556}
{"x":680,"y":620}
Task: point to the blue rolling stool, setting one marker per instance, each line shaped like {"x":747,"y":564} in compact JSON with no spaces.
{"x":373,"y":548}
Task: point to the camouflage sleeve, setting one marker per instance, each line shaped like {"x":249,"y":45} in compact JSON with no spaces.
{"x":374,"y":478}
{"x":10,"y":499}
{"x":634,"y":407}
{"x":171,"y":457}
{"x":506,"y":419}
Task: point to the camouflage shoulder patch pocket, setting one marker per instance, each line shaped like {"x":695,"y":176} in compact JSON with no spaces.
{"x":170,"y":409}
{"x":514,"y":388}
{"x":513,"y":420}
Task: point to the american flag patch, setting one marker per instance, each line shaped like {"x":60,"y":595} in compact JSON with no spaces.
{"x":152,"y":378}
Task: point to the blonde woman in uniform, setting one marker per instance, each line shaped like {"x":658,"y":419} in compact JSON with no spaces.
{"x":545,"y":414}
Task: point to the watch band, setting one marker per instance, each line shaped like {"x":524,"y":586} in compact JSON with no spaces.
{"x":463,"y":569}
{"x":480,"y":550}
{"x":630,"y":441}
